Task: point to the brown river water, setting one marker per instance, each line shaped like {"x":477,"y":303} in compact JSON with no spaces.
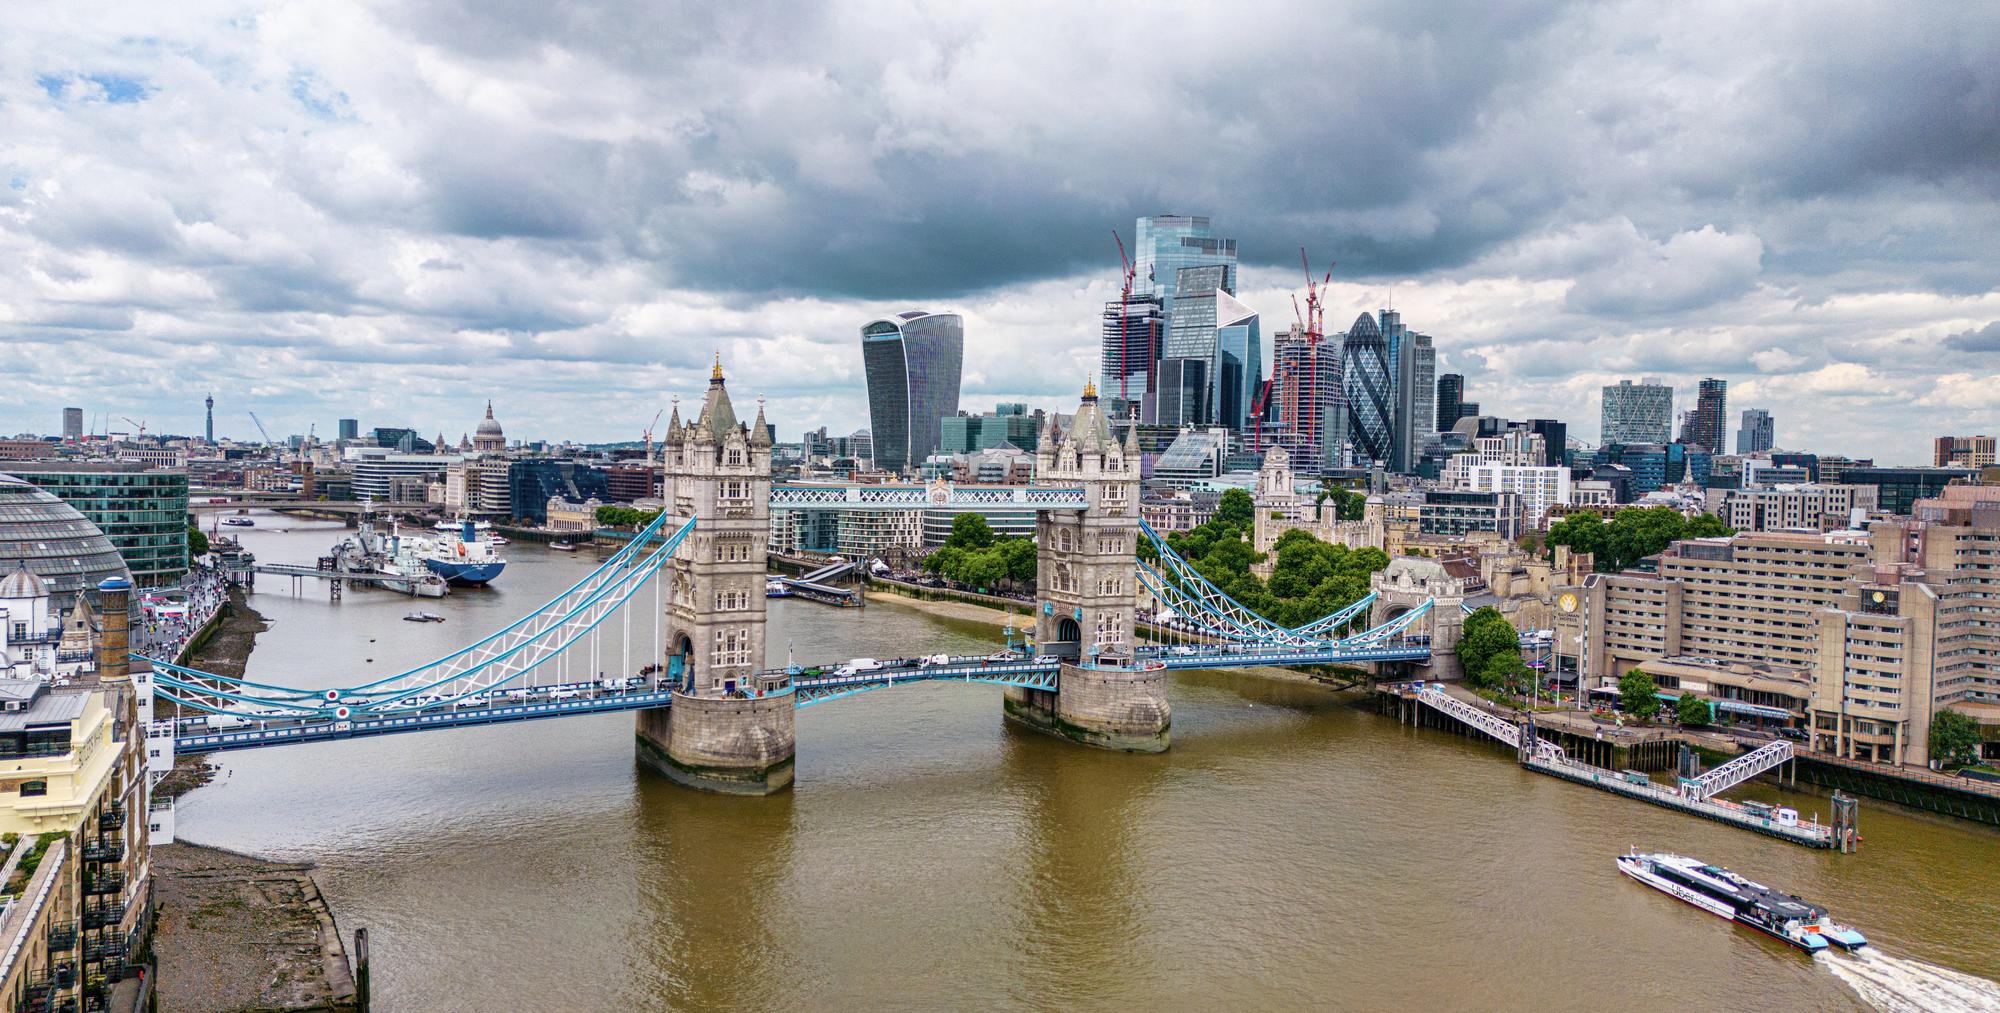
{"x":1291,"y":851}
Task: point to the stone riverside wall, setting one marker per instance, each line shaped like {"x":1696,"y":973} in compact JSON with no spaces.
{"x":735,"y":746}
{"x":1112,"y":708}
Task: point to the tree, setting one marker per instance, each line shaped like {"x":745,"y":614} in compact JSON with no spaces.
{"x":1486,"y":634}
{"x":1581,"y":532}
{"x":1348,"y":505}
{"x":1505,"y":670}
{"x":970,"y":531}
{"x":1638,"y":695}
{"x":1693,"y":710}
{"x":1954,"y":738}
{"x":1235,"y":510}
{"x":197,"y":541}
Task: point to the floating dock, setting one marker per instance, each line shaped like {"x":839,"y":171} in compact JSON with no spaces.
{"x":1695,"y":795}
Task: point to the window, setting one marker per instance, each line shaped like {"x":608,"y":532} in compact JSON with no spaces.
{"x":736,"y":457}
{"x":732,"y":647}
{"x":1062,"y":540}
{"x":34,"y":787}
{"x":1110,"y":628}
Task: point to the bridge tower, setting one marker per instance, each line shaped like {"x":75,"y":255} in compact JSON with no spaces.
{"x":1086,"y":594}
{"x":729,"y":730}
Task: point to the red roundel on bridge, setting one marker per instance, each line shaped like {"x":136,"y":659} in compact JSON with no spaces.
{"x":333,"y":695}
{"x":342,"y":713}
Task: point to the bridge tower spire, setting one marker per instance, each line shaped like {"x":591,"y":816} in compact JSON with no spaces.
{"x":1086,"y":595}
{"x":729,"y":729}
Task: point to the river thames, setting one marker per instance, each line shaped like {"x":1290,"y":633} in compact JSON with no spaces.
{"x":1291,"y":851}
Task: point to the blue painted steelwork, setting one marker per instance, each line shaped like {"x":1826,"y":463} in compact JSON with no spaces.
{"x":939,"y":495}
{"x":493,"y":662}
{"x":278,"y":733}
{"x":1034,"y":673}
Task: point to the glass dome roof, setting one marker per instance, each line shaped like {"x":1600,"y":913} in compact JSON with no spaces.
{"x":51,"y":538}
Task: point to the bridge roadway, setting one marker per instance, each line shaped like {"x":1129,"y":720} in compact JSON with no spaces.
{"x":194,"y":735}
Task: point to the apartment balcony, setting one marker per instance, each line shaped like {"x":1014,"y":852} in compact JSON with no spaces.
{"x":103,"y":914}
{"x":109,"y":950}
{"x":62,"y":937}
{"x":104,"y":850}
{"x":112,"y":818}
{"x":103,"y":883}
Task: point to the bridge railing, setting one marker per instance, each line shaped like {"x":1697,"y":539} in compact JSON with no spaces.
{"x":492,"y":662}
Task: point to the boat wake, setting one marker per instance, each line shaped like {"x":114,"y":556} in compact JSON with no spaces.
{"x":1894,"y":985}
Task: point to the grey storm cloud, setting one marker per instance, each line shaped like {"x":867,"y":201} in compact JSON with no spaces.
{"x":1985,"y":339}
{"x":539,"y":196}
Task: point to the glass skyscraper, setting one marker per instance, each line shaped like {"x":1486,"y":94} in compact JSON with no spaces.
{"x":1366,"y":380}
{"x":1641,"y":413}
{"x":1133,"y":333}
{"x":913,"y":361}
{"x":1239,"y":357}
{"x":1166,"y":243}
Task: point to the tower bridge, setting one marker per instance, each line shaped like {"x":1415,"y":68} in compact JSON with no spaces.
{"x":708,"y":715}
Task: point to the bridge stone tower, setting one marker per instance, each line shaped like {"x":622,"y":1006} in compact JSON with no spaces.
{"x":729,"y":729}
{"x":1086,"y":595}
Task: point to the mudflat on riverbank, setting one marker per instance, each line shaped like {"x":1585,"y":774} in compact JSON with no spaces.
{"x":242,"y":933}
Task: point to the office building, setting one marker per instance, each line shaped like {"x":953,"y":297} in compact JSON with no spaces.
{"x":1450,"y":394}
{"x":1796,"y":507}
{"x":1191,"y":334}
{"x":1308,"y":406}
{"x":1239,"y":361}
{"x":54,"y":539}
{"x":1555,"y":441}
{"x":1758,"y":432}
{"x":1010,"y":408}
{"x":1423,"y":391}
{"x":141,"y":509}
{"x":534,"y":482}
{"x":1706,"y":426}
{"x":402,"y":441}
{"x":1369,"y":388}
{"x":913,"y":363}
{"x":1964,"y":451}
{"x":72,"y":424}
{"x":375,"y":473}
{"x":1180,"y":393}
{"x":1637,"y":413}
{"x":1165,"y":244}
{"x":1540,"y":488}
{"x":1833,"y":468}
{"x":964,"y":434}
{"x":1412,"y":368}
{"x":1654,"y":466}
{"x":1135,"y":330}
{"x":1899,"y":489}
{"x":1468,"y":514}
{"x":1198,"y":455}
{"x":350,"y":430}
{"x":1808,"y":462}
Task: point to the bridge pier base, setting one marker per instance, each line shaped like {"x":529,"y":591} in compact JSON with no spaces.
{"x":732,"y":746}
{"x":1103,"y":706}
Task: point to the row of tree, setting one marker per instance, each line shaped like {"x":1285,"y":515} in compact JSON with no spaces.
{"x":618,"y":517}
{"x":972,"y":554}
{"x":1632,"y":535}
{"x":1309,"y":580}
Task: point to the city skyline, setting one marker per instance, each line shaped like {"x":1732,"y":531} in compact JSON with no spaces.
{"x":368,"y":266}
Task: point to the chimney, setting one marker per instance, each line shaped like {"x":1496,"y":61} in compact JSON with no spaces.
{"x":113,"y":648}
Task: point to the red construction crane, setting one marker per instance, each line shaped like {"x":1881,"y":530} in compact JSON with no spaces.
{"x":1315,"y":314}
{"x":1124,"y":300}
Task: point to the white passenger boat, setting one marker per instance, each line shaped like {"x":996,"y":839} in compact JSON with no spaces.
{"x":1725,"y":894}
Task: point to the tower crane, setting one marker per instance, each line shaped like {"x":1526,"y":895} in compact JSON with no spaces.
{"x":649,"y":437}
{"x":260,"y":427}
{"x":142,"y":428}
{"x":1124,"y":300}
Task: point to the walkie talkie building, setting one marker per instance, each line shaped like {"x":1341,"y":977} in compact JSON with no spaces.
{"x":913,"y":361}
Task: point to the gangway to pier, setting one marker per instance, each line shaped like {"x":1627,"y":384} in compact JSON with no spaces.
{"x":427,"y":585}
{"x":1507,"y":732}
{"x":1737,"y":771}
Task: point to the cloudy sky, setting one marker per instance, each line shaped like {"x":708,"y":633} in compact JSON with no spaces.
{"x":394,"y":211}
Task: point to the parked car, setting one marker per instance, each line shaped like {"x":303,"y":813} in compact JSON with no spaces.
{"x":565,"y":693}
{"x":1004,"y":656}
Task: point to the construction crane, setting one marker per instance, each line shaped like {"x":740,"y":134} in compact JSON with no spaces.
{"x":141,"y":425}
{"x":260,"y":427}
{"x":1124,"y":300}
{"x":1314,"y":314}
{"x":649,"y":436}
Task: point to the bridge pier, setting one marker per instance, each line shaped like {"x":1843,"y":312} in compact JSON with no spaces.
{"x":733,"y":746}
{"x":1108,"y":706}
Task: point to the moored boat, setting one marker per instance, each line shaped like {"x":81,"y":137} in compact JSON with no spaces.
{"x":1782,"y":916}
